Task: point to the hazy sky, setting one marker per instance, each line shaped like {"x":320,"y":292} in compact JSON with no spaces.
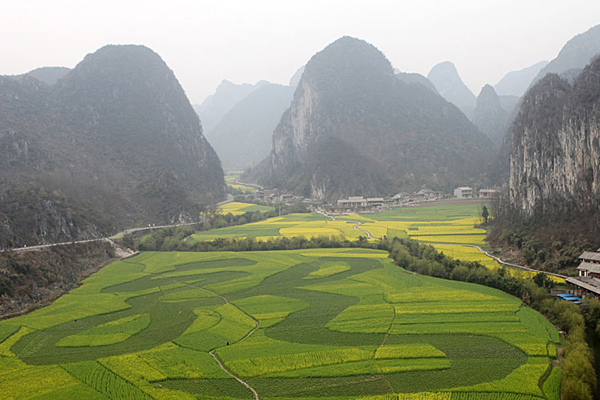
{"x":204,"y":42}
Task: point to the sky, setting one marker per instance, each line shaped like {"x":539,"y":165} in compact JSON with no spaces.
{"x":245,"y":41}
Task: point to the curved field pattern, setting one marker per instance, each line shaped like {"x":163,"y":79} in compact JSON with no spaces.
{"x":305,"y":324}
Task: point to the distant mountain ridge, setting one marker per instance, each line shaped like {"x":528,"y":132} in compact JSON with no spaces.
{"x":217,"y":105}
{"x":575,"y":54}
{"x":489,"y":115}
{"x":116,"y":138}
{"x":515,"y":83}
{"x":244,"y":135}
{"x":355,"y":128}
{"x":49,"y":75}
{"x":413,"y":77}
{"x":450,"y":86}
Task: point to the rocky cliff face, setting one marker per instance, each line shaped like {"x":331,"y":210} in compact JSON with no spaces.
{"x":555,"y":153}
{"x":489,"y":116}
{"x":354,"y":128}
{"x":116,"y":136}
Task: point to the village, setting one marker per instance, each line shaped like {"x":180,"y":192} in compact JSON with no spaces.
{"x":367,"y":205}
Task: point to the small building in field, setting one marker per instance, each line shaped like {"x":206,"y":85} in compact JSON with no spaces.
{"x":463,"y":192}
{"x":488,"y":193}
{"x":375,"y":201}
{"x":588,"y":282}
{"x":353,"y":203}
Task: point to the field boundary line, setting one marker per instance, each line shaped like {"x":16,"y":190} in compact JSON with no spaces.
{"x":213,"y":355}
{"x":369,"y":236}
{"x":234,"y":376}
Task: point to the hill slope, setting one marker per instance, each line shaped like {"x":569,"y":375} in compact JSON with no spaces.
{"x":353,"y":127}
{"x":116,"y":137}
{"x":489,"y":116}
{"x":216,"y":106}
{"x":515,"y":83}
{"x":243,"y":137}
{"x":450,"y":86}
{"x":555,"y":147}
{"x":575,"y":54}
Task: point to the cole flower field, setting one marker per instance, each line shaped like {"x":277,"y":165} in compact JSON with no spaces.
{"x":301,"y":324}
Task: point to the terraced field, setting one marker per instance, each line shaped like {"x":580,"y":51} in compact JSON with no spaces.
{"x":305,"y":324}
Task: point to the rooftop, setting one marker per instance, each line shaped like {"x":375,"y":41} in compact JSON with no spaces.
{"x":588,"y":283}
{"x":589,"y":255}
{"x":590,"y":267}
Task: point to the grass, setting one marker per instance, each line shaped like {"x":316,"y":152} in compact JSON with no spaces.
{"x":332,"y":323}
{"x":328,"y":269}
{"x":449,"y":227}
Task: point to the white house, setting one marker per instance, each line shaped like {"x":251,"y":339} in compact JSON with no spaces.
{"x":463,"y":192}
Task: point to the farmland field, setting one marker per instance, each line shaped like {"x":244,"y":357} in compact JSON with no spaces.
{"x":231,"y":179}
{"x":449,"y":227}
{"x":304,"y":324}
{"x":237,"y":208}
{"x":442,"y":223}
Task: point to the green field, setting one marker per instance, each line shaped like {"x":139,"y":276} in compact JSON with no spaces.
{"x":231,"y":178}
{"x":448,"y":226}
{"x":304,"y":324}
{"x":440,"y":223}
{"x":306,"y":225}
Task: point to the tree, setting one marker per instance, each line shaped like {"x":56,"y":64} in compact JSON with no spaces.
{"x":485,"y":214}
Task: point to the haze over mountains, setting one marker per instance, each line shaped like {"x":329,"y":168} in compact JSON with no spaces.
{"x":574,"y":55}
{"x":570,"y":61}
{"x":489,"y":115}
{"x":354,"y":127}
{"x":113,"y":143}
{"x":515,"y":83}
{"x":227,"y":95}
{"x":242,"y":138}
{"x":450,"y":86}
{"x":239,"y":120}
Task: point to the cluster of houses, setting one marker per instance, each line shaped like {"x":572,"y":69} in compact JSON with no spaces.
{"x":587,"y":284}
{"x":465,"y":192}
{"x":362,"y":204}
{"x":373,"y":204}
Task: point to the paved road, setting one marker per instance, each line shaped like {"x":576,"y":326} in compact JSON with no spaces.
{"x":108,"y":239}
{"x":357,"y":227}
{"x":514,"y":265}
{"x":228,"y":200}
